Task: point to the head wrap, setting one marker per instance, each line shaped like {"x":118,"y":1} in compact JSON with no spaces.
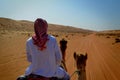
{"x":41,"y":37}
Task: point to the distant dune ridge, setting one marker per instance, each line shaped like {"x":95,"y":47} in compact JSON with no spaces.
{"x":102,"y":47}
{"x":24,"y":25}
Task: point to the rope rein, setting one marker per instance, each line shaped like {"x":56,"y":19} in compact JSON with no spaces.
{"x":77,"y":71}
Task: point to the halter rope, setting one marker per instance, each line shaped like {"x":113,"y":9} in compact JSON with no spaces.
{"x":77,"y":71}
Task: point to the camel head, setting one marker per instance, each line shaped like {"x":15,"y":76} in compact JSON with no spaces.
{"x":63,"y":47}
{"x":80,"y":60}
{"x":63,"y":44}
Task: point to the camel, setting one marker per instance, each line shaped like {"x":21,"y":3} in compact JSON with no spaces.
{"x":80,"y":60}
{"x":63,"y":47}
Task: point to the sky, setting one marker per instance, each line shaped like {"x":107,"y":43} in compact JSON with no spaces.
{"x":87,"y":14}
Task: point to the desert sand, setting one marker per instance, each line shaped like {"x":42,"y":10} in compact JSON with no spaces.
{"x":103,"y":61}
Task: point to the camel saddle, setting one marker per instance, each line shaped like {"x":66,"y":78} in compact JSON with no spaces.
{"x":36,"y":77}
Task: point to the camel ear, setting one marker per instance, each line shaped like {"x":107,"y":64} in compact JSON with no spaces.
{"x":86,"y":56}
{"x":75,"y":55}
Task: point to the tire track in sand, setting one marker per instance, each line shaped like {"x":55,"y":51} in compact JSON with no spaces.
{"x":102,"y":64}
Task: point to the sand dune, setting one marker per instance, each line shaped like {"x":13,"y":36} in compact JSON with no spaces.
{"x":103,"y":52}
{"x":23,"y":25}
